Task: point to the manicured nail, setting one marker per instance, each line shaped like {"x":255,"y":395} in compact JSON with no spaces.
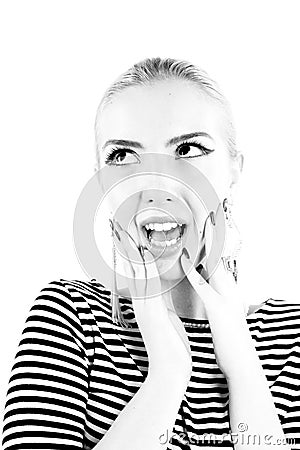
{"x":199,"y":268}
{"x":185,"y":253}
{"x":212,"y":218}
{"x":118,"y":225}
{"x":115,"y":231}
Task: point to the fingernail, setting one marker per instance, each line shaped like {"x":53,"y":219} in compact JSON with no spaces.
{"x":212,"y":218}
{"x":142,"y":251}
{"x":185,"y":253}
{"x":117,"y":223}
{"x":111,"y":224}
{"x":115,"y":232}
{"x":199,"y":268}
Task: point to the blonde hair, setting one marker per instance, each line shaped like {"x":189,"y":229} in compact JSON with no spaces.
{"x":150,"y":70}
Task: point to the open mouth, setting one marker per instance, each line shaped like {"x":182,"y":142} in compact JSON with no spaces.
{"x":163,"y":234}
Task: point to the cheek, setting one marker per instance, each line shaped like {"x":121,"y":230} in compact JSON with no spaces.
{"x":121,"y":192}
{"x":220,"y":185}
{"x":218,"y":174}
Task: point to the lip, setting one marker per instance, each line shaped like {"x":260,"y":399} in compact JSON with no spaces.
{"x":166,"y":251}
{"x":162,"y":219}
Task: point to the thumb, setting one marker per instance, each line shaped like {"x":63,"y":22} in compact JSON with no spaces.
{"x":152,"y":278}
{"x":197,"y":281}
{"x":150,"y":264}
{"x":189,"y":268}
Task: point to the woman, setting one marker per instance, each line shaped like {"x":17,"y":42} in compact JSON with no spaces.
{"x":173,"y":359}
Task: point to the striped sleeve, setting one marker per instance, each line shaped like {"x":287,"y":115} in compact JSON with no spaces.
{"x":291,"y":423}
{"x":290,"y":389}
{"x":48,"y":386}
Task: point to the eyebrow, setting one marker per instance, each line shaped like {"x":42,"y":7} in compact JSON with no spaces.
{"x":172,"y":141}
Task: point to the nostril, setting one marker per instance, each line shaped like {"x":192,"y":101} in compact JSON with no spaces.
{"x":157,"y":196}
{"x":151,"y":200}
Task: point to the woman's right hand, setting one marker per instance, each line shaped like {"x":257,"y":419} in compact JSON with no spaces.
{"x":164,"y":336}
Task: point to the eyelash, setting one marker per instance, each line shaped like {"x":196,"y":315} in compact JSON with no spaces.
{"x":114,"y":151}
{"x":205,"y":150}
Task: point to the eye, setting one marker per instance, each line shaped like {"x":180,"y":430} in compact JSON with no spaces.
{"x":192,"y":149}
{"x":119,"y":157}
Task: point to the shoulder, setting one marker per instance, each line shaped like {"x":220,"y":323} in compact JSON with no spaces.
{"x":273,"y":307}
{"x":280,"y":317}
{"x":90,"y":298}
{"x":76,"y":294}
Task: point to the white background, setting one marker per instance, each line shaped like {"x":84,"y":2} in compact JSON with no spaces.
{"x":58,"y":56}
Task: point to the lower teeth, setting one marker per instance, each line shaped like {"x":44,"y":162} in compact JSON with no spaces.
{"x":164,"y":243}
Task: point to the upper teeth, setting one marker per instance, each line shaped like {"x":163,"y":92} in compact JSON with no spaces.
{"x":161,"y":226}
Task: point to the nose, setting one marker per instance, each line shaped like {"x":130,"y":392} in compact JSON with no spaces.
{"x":156,"y":197}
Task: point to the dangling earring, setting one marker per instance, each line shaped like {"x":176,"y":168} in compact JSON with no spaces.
{"x":227,"y":208}
{"x":234,"y":238}
{"x":116,"y":313}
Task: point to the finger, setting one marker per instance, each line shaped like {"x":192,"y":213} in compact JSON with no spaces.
{"x":225,"y":284}
{"x":197,"y":281}
{"x":164,"y":306}
{"x":153,"y":283}
{"x":156,"y":307}
{"x":209,"y":296}
{"x":138,"y":278}
{"x":130,"y":238}
{"x":132,"y":250}
{"x":153,"y":307}
{"x":132,"y":262}
{"x":219,"y":277}
{"x":150,"y":264}
{"x":153,"y":277}
{"x":128,"y":269}
{"x":212,"y":238}
{"x":194,"y":243}
{"x":133,"y":255}
{"x":211,"y":299}
{"x":202,"y":265}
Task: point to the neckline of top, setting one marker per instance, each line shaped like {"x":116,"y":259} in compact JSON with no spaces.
{"x":203,"y":320}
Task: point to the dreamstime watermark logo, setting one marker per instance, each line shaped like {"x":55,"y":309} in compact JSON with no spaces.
{"x":240,"y":437}
{"x":185,"y":184}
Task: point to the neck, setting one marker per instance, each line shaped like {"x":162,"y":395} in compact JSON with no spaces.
{"x":186,"y":301}
{"x":183,"y":297}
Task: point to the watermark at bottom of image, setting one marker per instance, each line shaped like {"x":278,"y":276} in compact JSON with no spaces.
{"x":241,"y":437}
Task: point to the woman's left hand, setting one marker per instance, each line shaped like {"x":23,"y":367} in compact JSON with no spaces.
{"x":226,"y":312}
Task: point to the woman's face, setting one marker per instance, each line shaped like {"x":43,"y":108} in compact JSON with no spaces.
{"x":156,"y":121}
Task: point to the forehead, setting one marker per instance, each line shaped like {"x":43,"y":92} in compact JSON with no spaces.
{"x":162,"y":109}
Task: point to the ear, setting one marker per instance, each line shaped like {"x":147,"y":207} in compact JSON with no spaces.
{"x":236,"y":168}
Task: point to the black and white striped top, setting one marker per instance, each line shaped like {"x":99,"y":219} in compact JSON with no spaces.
{"x":75,"y":370}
